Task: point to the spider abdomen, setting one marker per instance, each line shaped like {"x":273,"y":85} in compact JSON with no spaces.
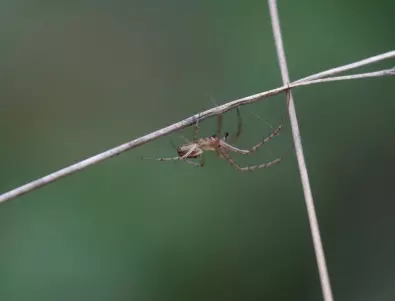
{"x":191,"y":151}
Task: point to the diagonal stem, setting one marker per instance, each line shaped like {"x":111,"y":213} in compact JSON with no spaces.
{"x":191,"y":120}
{"x":315,"y":231}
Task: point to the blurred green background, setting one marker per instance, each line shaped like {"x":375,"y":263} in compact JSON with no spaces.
{"x":80,"y":77}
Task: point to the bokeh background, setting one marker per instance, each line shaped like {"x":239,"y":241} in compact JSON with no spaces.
{"x":80,"y":77}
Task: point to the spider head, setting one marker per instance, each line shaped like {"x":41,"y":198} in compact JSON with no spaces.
{"x":226,"y":136}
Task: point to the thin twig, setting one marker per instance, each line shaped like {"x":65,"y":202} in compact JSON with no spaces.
{"x":167,"y":130}
{"x":315,"y":231}
{"x":351,"y":66}
{"x":381,"y":73}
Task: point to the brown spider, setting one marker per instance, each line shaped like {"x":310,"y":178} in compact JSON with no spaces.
{"x":195,"y":149}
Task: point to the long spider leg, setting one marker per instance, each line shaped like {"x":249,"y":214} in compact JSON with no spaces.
{"x":231,"y":148}
{"x":161,"y":159}
{"x":230,"y":138}
{"x":194,"y":163}
{"x":172,"y":158}
{"x":195,"y":138}
{"x":200,"y":164}
{"x":248,"y":168}
{"x":234,"y":149}
{"x":239,"y":124}
{"x":219,"y":125}
{"x":274,"y":133}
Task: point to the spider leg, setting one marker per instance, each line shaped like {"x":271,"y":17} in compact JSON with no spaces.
{"x":232,"y":162}
{"x":239,"y":124}
{"x":234,"y":149}
{"x":171,"y":158}
{"x":161,"y":159}
{"x":219,"y":125}
{"x":200,"y":164}
{"x":229,"y":138}
{"x":195,"y":138}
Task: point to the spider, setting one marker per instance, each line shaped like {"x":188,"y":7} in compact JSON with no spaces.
{"x":195,"y":149}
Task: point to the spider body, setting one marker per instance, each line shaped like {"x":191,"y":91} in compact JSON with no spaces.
{"x":222,"y":147}
{"x":193,"y":150}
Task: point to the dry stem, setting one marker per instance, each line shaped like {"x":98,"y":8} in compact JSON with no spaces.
{"x":190,"y":120}
{"x":308,"y":196}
